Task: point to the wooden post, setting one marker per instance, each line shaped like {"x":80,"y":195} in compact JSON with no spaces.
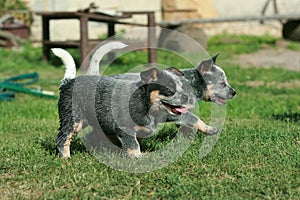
{"x":152,"y":45}
{"x":46,"y":37}
{"x":111,"y":33}
{"x":84,"y":41}
{"x":111,"y":29}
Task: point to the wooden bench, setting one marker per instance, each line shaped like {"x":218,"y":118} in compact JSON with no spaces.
{"x":84,"y":44}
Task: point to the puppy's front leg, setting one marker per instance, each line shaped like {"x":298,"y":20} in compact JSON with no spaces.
{"x":208,"y":130}
{"x":192,"y":120}
{"x":131,"y":145}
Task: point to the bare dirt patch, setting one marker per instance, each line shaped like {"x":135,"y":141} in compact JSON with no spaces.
{"x":271,"y":57}
{"x":268,"y":57}
{"x":280,"y":85}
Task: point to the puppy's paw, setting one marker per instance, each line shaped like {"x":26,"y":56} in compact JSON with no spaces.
{"x":63,"y":152}
{"x":211,"y":130}
{"x":134,"y":153}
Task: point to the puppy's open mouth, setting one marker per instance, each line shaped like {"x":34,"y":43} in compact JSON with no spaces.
{"x":175,"y":109}
{"x":220,"y":100}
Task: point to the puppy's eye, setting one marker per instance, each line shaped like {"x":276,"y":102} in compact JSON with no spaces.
{"x":172,"y":86}
{"x":166,"y":91}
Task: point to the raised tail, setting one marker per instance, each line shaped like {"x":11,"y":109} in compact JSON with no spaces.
{"x":68,"y":62}
{"x":100,"y":52}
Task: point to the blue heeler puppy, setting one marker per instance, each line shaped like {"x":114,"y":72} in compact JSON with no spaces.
{"x":124,"y":109}
{"x":208,"y":80}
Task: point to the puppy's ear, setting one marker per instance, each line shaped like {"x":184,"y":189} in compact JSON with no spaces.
{"x":214,"y":58}
{"x":175,"y":71}
{"x":149,"y":75}
{"x":205,"y":66}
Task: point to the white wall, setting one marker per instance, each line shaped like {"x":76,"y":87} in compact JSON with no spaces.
{"x":224,"y":8}
{"x":69,"y":29}
{"x":253,"y":7}
{"x":238,"y":8}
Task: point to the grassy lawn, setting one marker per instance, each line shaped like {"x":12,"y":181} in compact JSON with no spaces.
{"x":256,"y":157}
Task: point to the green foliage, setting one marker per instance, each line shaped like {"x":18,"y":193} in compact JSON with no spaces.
{"x":13,"y":5}
{"x":256,"y":156}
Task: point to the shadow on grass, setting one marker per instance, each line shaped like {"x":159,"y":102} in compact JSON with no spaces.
{"x":154,"y":143}
{"x":287,"y":117}
{"x":159,"y":140}
{"x":165,"y":136}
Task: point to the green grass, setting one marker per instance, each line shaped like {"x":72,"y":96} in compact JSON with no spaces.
{"x":256,"y":157}
{"x":236,"y":44}
{"x":293,"y":46}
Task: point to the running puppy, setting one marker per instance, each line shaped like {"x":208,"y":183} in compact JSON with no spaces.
{"x":124,"y":110}
{"x":207,"y":79}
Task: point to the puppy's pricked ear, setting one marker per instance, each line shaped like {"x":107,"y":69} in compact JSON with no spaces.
{"x":175,"y":71}
{"x":205,"y":66}
{"x":149,"y":75}
{"x":214,"y":58}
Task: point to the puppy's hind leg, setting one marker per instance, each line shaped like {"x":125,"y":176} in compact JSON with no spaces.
{"x":64,"y":138}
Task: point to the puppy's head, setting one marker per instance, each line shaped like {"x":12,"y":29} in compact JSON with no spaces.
{"x":169,"y":90}
{"x":218,"y":89}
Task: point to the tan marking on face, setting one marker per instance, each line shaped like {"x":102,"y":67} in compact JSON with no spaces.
{"x":208,"y":93}
{"x":154,"y":97}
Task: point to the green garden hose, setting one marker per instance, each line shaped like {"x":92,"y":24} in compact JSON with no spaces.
{"x":17,"y":83}
{"x":7,"y":96}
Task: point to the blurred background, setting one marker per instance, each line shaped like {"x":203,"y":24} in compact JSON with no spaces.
{"x":165,"y":10}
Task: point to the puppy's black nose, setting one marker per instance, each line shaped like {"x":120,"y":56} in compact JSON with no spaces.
{"x":184,"y":99}
{"x":233,"y":92}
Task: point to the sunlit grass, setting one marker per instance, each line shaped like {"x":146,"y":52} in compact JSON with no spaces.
{"x":256,"y":156}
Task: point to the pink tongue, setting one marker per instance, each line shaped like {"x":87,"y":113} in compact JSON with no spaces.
{"x":223,"y":100}
{"x":181,"y":110}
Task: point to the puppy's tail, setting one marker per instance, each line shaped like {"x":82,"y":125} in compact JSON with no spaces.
{"x":68,"y":62}
{"x":100,"y":52}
